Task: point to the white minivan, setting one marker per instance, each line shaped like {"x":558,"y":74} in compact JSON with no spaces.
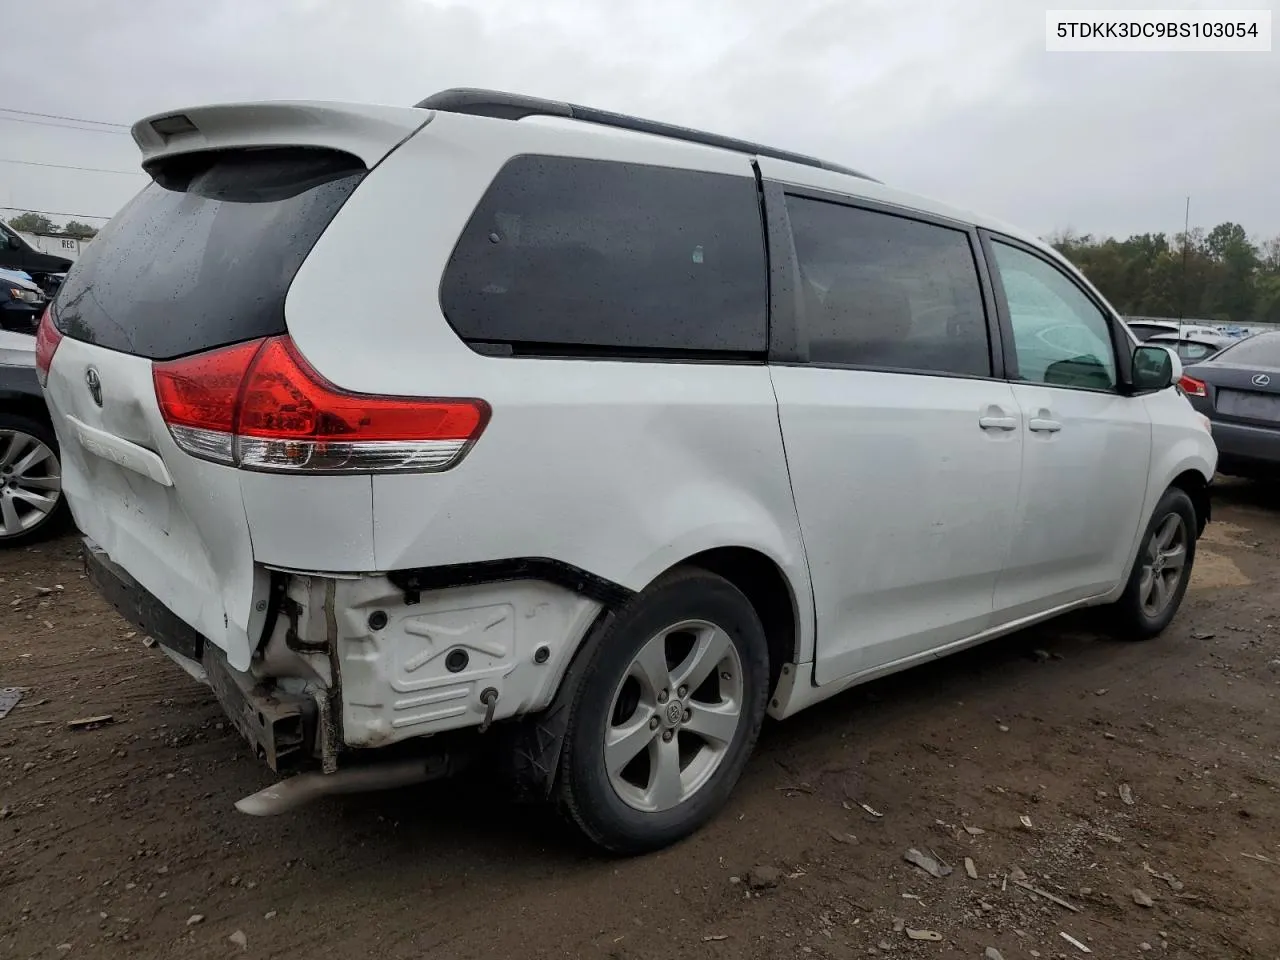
{"x":511,"y":428}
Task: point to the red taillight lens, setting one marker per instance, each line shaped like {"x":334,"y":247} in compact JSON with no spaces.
{"x":261,"y":406}
{"x":47,"y":340}
{"x":1192,"y":387}
{"x":198,"y":397}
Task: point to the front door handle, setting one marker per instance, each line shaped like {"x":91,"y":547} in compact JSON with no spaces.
{"x":1043,"y":425}
{"x":998,"y":423}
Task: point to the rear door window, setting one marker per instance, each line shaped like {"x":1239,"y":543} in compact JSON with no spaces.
{"x":887,"y":291}
{"x":205,"y":254}
{"x":567,"y":256}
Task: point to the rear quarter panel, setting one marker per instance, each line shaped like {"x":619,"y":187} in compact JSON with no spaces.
{"x":620,"y":468}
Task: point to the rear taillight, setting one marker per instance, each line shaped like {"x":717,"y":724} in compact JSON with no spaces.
{"x":1192,"y":387}
{"x":47,"y":340}
{"x":261,"y":406}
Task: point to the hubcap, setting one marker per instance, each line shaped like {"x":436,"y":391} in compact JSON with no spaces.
{"x":673,"y":716}
{"x":1164,"y":565}
{"x":30,"y":482}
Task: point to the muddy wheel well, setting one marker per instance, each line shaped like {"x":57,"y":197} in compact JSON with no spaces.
{"x":1198,"y":490}
{"x":764,"y":584}
{"x":25,"y":405}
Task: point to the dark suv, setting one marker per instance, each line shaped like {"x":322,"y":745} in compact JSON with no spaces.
{"x":17,"y":254}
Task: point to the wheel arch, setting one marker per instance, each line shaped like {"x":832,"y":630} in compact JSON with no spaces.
{"x":1197,"y":488}
{"x":765,"y":585}
{"x":25,"y":405}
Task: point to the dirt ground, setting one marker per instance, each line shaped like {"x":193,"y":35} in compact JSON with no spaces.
{"x":1145,"y":772}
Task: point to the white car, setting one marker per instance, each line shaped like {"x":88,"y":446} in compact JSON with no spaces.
{"x":645,"y":433}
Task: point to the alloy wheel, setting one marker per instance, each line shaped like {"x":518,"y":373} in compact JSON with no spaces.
{"x":1164,"y":565}
{"x":674,"y":715}
{"x":30,"y":483}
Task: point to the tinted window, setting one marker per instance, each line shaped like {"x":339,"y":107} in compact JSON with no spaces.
{"x":574,"y":255}
{"x":884,"y":291}
{"x":1059,"y":336}
{"x":204,"y":255}
{"x":1262,"y":350}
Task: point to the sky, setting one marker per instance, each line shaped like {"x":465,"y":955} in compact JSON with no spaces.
{"x":954,"y":99}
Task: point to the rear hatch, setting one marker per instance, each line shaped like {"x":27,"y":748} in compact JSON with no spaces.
{"x":202,"y":258}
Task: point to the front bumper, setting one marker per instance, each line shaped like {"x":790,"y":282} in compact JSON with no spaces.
{"x":280,"y":727}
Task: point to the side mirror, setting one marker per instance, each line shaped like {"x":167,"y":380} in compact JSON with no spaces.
{"x":1155,"y":368}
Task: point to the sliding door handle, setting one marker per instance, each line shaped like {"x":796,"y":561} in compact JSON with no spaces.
{"x":1043,"y":425}
{"x":998,"y":423}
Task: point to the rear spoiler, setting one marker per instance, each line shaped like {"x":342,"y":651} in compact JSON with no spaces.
{"x":368,"y":132}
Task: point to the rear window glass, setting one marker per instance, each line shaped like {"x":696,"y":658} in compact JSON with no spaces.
{"x":204,"y":255}
{"x":568,"y":255}
{"x":1262,"y":350}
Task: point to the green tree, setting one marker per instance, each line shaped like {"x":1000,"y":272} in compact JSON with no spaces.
{"x":33,"y":223}
{"x":82,"y":231}
{"x":1230,"y":292}
{"x":1220,"y":275}
{"x":1266,"y":306}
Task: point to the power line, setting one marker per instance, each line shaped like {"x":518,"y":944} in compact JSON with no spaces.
{"x":65,"y":126}
{"x":52,"y":213}
{"x":57,"y":116}
{"x":66,"y":166}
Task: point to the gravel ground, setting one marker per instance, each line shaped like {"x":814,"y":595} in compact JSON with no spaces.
{"x":1133,"y":785}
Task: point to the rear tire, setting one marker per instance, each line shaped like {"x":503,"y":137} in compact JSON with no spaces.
{"x":666,"y":714}
{"x":1161,"y":570}
{"x":30,"y":477}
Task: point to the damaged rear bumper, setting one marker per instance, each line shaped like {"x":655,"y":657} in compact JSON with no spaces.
{"x":352,"y":664}
{"x":281,"y":727}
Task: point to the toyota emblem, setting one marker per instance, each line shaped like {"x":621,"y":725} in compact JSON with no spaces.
{"x":95,"y":385}
{"x":1261,"y":380}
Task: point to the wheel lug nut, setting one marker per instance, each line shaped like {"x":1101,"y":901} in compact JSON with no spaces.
{"x":662,"y":697}
{"x":688,"y":715}
{"x":666,"y":737}
{"x":683,"y":690}
{"x":653,"y":723}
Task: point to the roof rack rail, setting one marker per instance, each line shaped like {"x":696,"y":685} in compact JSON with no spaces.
{"x":514,"y":106}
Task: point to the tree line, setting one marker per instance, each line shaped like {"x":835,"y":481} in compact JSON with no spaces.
{"x":1221,"y":275}
{"x":39,"y":223}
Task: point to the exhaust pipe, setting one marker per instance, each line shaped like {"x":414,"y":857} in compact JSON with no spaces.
{"x":296,"y":791}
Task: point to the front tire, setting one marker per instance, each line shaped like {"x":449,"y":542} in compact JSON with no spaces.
{"x":665,"y":715}
{"x":1161,"y":570}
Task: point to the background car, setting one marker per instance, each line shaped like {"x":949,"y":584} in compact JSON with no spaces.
{"x":21,"y":302}
{"x":1146,"y":329}
{"x":1238,"y":389}
{"x":1193,"y":347}
{"x":45,"y":269}
{"x":31,"y":503}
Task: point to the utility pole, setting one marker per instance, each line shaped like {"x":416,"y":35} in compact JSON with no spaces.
{"x":1186,"y":238}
